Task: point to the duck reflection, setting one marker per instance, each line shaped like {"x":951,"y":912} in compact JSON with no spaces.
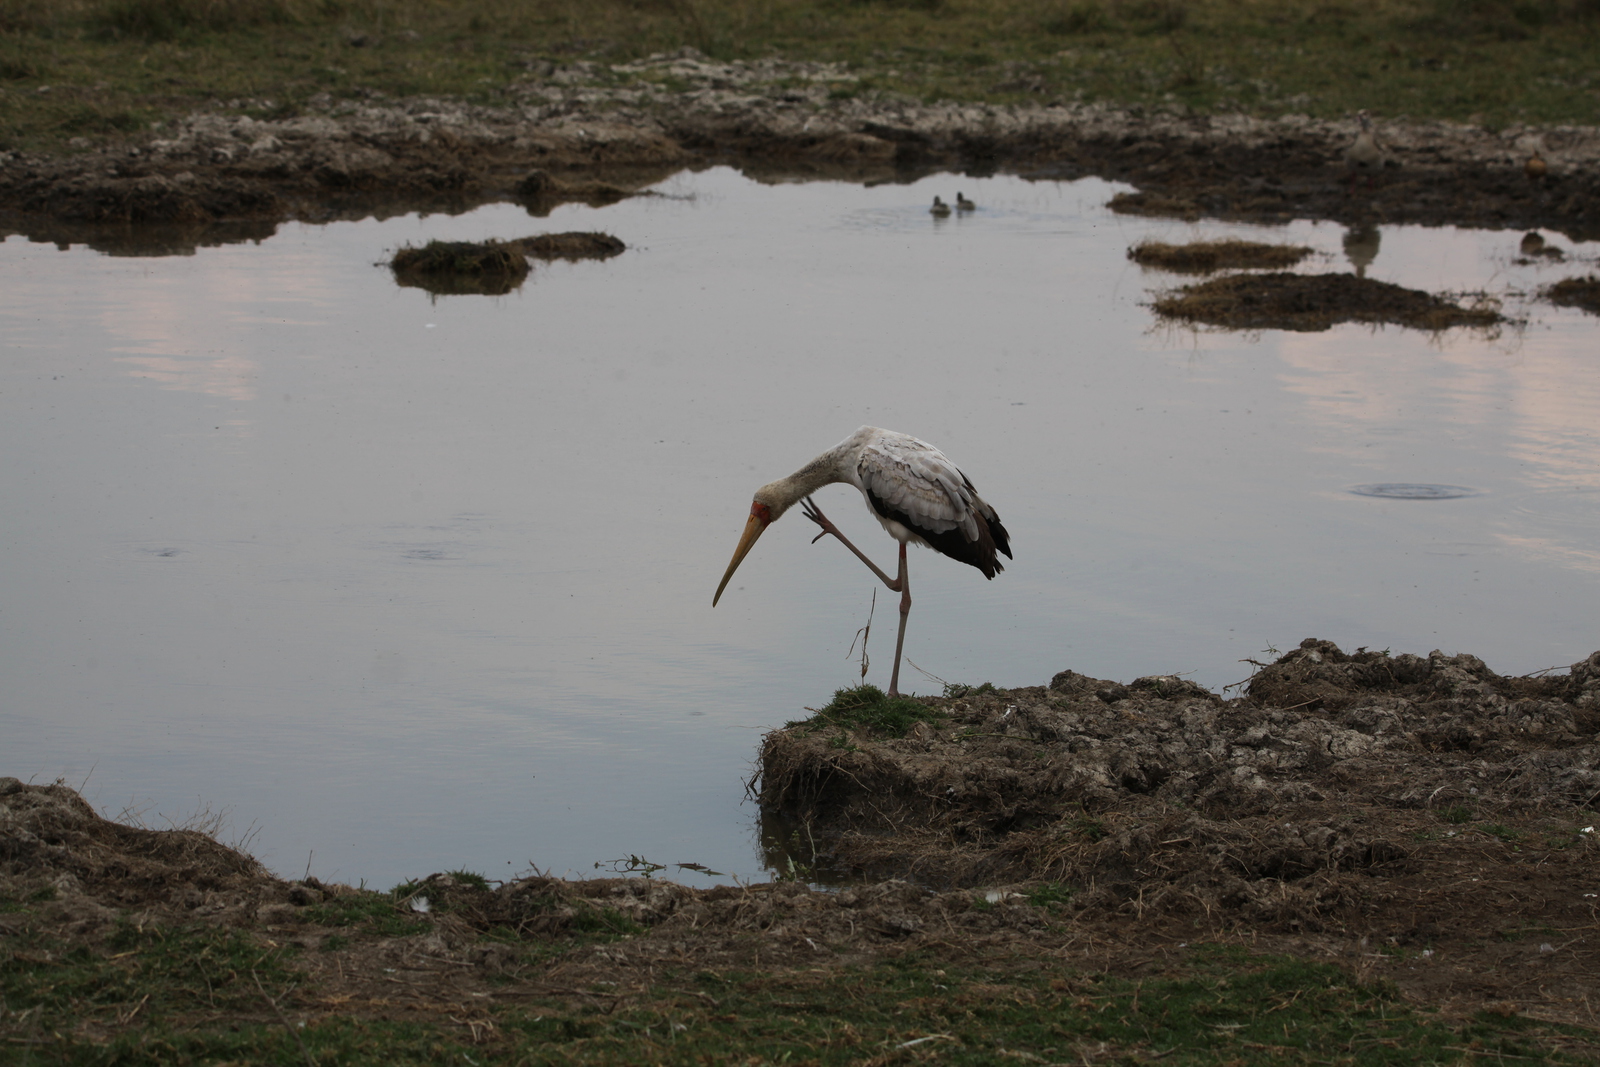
{"x":1361,"y":247}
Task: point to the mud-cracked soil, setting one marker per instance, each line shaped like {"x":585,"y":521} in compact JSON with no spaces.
{"x":593,"y":132}
{"x":1419,"y":819}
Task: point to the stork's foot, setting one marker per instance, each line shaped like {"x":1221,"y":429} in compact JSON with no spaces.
{"x":808,"y":507}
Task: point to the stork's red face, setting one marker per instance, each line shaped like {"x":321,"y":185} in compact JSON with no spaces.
{"x":760,"y":518}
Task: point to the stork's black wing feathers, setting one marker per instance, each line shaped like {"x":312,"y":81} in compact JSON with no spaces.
{"x":953,"y":542}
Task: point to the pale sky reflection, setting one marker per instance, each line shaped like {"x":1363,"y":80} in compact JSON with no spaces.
{"x":1398,"y":406}
{"x":227,"y":377}
{"x":468,"y":546}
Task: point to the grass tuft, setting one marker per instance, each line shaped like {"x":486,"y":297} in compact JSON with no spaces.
{"x":866,"y":707}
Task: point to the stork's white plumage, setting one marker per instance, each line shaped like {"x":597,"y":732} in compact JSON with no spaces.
{"x":910,"y":487}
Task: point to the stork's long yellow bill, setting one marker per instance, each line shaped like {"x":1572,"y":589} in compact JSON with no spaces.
{"x":753,"y":528}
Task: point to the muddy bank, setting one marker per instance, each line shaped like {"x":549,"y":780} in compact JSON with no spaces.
{"x":1421,"y":799}
{"x":1166,"y":791}
{"x":1417,"y":819}
{"x":589,"y":131}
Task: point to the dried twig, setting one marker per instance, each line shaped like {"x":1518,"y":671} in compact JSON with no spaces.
{"x":284,"y":1019}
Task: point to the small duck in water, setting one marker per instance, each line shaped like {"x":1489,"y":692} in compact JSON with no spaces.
{"x":940,"y":209}
{"x":963,"y":204}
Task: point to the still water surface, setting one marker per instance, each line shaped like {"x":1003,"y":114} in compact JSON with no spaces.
{"x":410,"y":584}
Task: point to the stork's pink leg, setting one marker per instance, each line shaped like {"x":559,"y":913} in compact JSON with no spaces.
{"x":815,"y":514}
{"x":905,"y":611}
{"x":901,"y":584}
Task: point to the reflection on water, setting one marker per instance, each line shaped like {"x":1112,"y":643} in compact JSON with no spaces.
{"x":1361,"y":246}
{"x":416,"y":585}
{"x":1410,"y":491}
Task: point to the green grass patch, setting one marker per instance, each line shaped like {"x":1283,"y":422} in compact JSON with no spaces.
{"x":173,"y":997}
{"x":866,"y":707}
{"x":378,"y":914}
{"x":91,"y":67}
{"x":1049,"y":894}
{"x":1090,"y":827}
{"x":1457,"y":814}
{"x":59,"y":986}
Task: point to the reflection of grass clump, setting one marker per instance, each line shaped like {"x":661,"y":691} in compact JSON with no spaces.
{"x":867,"y":707}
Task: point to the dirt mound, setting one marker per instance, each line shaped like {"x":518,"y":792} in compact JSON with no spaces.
{"x":1338,"y":787}
{"x":53,"y":844}
{"x":1206,"y":257}
{"x":1314,"y":302}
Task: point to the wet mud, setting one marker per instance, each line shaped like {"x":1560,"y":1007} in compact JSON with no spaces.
{"x":1314,"y":302}
{"x":1419,"y":819}
{"x":595,"y":133}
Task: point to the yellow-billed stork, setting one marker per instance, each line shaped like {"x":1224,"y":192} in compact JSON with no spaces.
{"x":910,"y":487}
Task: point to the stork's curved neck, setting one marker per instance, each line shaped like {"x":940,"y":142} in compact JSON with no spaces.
{"x":784,"y":493}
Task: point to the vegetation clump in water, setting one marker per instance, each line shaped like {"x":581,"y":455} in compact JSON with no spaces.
{"x":574,"y":245}
{"x":492,"y":268}
{"x":1577,"y":292}
{"x":1206,"y":257}
{"x":1314,"y":302}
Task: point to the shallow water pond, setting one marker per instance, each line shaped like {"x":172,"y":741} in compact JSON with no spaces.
{"x":404,"y":584}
